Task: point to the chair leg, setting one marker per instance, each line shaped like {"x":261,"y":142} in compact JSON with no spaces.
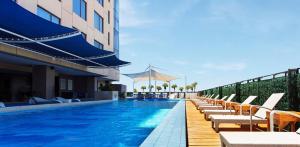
{"x":205,"y":116}
{"x":217,"y":127}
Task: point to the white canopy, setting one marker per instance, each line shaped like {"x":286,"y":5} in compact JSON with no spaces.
{"x":154,"y":75}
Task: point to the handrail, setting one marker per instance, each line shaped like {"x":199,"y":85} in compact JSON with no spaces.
{"x":256,"y":78}
{"x":279,"y":111}
{"x":251,"y":128}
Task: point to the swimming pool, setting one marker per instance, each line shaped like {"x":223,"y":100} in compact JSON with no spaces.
{"x":118,"y":123}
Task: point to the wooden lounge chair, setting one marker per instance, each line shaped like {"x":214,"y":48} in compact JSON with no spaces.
{"x":204,"y":101}
{"x":207,"y":113}
{"x":261,"y":139}
{"x":216,"y":106}
{"x":258,"y":118}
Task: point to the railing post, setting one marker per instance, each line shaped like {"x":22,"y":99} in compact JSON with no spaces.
{"x":220,"y":92}
{"x":238,"y":91}
{"x":258,"y":82}
{"x":294,"y":101}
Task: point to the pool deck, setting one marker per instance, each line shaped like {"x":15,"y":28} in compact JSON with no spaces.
{"x":200,"y":132}
{"x":171,"y":132}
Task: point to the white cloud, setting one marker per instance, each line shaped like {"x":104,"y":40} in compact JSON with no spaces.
{"x":126,"y":39}
{"x":259,"y":20}
{"x":130,"y":17}
{"x":225,"y":66}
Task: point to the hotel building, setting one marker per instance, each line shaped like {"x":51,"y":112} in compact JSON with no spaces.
{"x":25,"y":73}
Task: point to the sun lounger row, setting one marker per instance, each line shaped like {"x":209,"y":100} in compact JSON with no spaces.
{"x":262,"y":139}
{"x":38,"y":100}
{"x":234,"y":113}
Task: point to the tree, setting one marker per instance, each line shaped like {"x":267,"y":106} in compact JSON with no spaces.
{"x":165,"y":85}
{"x":151,"y":87}
{"x":158,"y":88}
{"x":143,"y":88}
{"x":181,"y":89}
{"x":135,"y":90}
{"x":192,"y":88}
{"x":194,"y":85}
{"x":174,"y":86}
{"x":187,"y":87}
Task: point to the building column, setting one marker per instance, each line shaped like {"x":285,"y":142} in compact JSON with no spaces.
{"x":91,"y":86}
{"x":43,"y":81}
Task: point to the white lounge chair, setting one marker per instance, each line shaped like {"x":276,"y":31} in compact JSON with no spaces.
{"x":2,"y":105}
{"x":217,"y":107}
{"x":201,"y":100}
{"x":62,"y":100}
{"x":258,"y":118}
{"x":207,"y":113}
{"x":205,"y":102}
{"x":261,"y":139}
{"x":38,"y":100}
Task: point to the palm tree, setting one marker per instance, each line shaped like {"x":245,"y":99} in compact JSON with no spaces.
{"x":194,"y":85}
{"x":165,"y":85}
{"x":135,"y":90}
{"x":143,"y":88}
{"x":174,"y":86}
{"x":151,"y":87}
{"x":192,"y":88}
{"x":158,"y":88}
{"x":187,"y":87}
{"x":181,"y":89}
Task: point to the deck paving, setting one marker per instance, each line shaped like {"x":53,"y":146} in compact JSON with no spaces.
{"x":200,"y":133}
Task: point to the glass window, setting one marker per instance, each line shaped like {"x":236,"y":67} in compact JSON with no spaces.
{"x":108,"y":17}
{"x":98,"y":44}
{"x":47,"y":15}
{"x":79,"y":7}
{"x":101,"y":2}
{"x":62,"y":84}
{"x":98,"y":22}
{"x":70,"y":84}
{"x":108,"y":38}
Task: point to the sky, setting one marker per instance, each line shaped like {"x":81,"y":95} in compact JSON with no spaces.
{"x":211,"y":42}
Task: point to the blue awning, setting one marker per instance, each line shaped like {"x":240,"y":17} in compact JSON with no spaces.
{"x":112,"y":61}
{"x":21,"y":28}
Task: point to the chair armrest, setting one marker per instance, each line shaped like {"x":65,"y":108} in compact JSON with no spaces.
{"x":280,"y":112}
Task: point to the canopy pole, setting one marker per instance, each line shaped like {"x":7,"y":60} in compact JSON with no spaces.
{"x":155,"y":86}
{"x":150,"y":79}
{"x":133,"y":86}
{"x":169,"y":87}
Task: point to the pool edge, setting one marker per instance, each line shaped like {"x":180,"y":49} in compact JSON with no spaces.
{"x":44,"y":106}
{"x":171,"y":131}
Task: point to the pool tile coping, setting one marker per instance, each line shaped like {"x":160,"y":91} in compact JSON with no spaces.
{"x":45,"y":106}
{"x":171,"y":132}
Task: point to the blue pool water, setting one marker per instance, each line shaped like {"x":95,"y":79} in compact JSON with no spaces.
{"x":119,"y":123}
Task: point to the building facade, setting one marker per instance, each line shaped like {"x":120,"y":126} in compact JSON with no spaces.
{"x":24,"y":74}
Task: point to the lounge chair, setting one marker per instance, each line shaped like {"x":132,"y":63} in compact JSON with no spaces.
{"x":2,"y":105}
{"x":76,"y":100}
{"x":38,"y":100}
{"x":206,"y":100}
{"x":62,"y":100}
{"x":217,"y":107}
{"x":207,"y":113}
{"x":261,"y":139}
{"x":258,"y":118}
